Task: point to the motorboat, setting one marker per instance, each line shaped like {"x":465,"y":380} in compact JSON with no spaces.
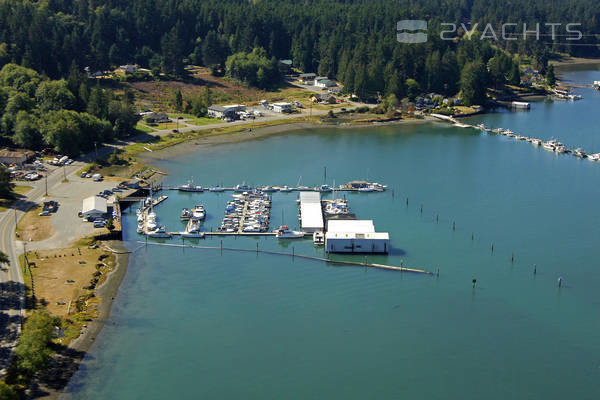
{"x":536,"y":142}
{"x":579,"y":153}
{"x":303,"y":188}
{"x":186,"y":214}
{"x":193,"y":230}
{"x":160,"y":232}
{"x":242,"y":188}
{"x":285,"y":188}
{"x":190,"y":187}
{"x":325,"y":188}
{"x":560,"y":149}
{"x":151,"y":221}
{"x":268,"y":189}
{"x":366,"y":189}
{"x":284,"y":232}
{"x":551,"y":145}
{"x":199,"y":213}
{"x":216,"y":189}
{"x":483,"y":127}
{"x":318,"y":238}
{"x":594,"y":157}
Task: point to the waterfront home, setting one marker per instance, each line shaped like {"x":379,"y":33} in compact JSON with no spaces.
{"x":157,"y":118}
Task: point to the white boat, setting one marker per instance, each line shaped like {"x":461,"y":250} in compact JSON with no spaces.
{"x":284,"y":232}
{"x":268,"y":189}
{"x":140,"y":228}
{"x":242,"y":188}
{"x":160,"y":232}
{"x":199,"y":213}
{"x":594,"y":157}
{"x":551,"y":145}
{"x":536,"y":142}
{"x":285,"y":188}
{"x":189,"y":187}
{"x":318,"y":238}
{"x":579,"y":153}
{"x":151,"y":221}
{"x":560,"y":149}
{"x":325,"y":188}
{"x":193,"y":230}
{"x":186,"y":214}
{"x":192,"y":235}
{"x":217,"y":189}
{"x":483,"y":127}
{"x":366,"y":189}
{"x":303,"y":188}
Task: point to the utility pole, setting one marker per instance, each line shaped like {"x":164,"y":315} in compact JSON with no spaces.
{"x":65,"y":172}
{"x":46,"y":185}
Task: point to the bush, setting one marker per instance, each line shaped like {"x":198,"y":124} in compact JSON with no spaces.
{"x":7,"y":393}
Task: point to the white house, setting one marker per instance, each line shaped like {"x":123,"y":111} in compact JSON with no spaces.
{"x":94,"y":206}
{"x":323,"y":82}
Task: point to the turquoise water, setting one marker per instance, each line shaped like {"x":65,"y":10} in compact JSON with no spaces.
{"x":198,"y":324}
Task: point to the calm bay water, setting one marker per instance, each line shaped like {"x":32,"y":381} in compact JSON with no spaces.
{"x":195,"y":323}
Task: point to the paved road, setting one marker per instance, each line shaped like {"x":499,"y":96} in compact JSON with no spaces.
{"x":12,"y":299}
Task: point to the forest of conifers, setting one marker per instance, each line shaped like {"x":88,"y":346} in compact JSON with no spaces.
{"x":353,"y":41}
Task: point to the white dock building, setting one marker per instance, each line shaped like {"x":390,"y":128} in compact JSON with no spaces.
{"x":355,"y":236}
{"x":311,"y":213}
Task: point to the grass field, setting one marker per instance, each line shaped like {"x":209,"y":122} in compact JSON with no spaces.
{"x":64,"y":281}
{"x":33,"y":227}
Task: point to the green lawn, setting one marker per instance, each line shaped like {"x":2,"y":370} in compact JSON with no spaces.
{"x":193,"y":120}
{"x":144,"y":128}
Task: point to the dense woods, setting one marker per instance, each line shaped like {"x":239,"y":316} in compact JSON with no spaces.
{"x":352,"y":41}
{"x":65,"y":115}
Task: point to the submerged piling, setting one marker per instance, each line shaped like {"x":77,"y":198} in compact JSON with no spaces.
{"x":534,"y":269}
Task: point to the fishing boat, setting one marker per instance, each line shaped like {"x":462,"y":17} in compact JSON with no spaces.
{"x":189,"y":187}
{"x":199,"y":213}
{"x":160,"y":232}
{"x":318,"y":238}
{"x":284,"y":232}
{"x":186,"y":214}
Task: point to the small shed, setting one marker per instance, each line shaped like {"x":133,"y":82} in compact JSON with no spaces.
{"x":94,"y":206}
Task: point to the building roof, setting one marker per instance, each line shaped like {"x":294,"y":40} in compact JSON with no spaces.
{"x":308,"y":75}
{"x":286,"y":62}
{"x":312,"y":216}
{"x":310,"y":197}
{"x":94,"y":204}
{"x":5,"y":153}
{"x":311,"y":211}
{"x":350,"y":226}
{"x":217,"y":108}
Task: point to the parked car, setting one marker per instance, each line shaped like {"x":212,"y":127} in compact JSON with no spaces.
{"x":99,"y":223}
{"x":84,"y":174}
{"x":44,"y":213}
{"x":116,"y":189}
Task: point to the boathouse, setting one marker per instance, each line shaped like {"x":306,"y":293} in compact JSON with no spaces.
{"x":94,"y":206}
{"x":355,"y":236}
{"x":311,"y":213}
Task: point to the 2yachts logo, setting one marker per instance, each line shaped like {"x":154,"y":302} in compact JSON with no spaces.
{"x":415,"y":31}
{"x":408,"y":31}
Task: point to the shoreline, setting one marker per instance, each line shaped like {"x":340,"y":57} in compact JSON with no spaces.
{"x":52,"y":383}
{"x":186,"y":148}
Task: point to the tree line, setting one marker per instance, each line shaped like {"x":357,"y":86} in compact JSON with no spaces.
{"x":351,"y":40}
{"x":67,"y":115}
